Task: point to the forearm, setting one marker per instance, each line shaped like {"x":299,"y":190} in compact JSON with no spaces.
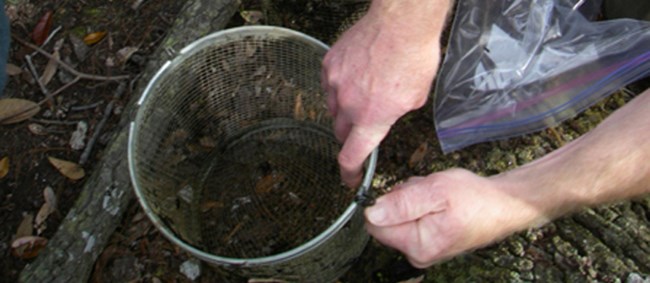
{"x":422,"y":17}
{"x":612,"y":162}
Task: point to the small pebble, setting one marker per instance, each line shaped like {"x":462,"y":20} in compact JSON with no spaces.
{"x":191,"y":268}
{"x":77,"y":140}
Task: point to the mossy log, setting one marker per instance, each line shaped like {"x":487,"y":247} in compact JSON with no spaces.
{"x":607,"y":244}
{"x":71,"y":253}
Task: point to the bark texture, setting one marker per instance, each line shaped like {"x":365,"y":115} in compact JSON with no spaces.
{"x":605,"y":244}
{"x":71,"y":253}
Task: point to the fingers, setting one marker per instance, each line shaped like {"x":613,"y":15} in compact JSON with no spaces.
{"x":422,"y":241}
{"x":407,"y":202}
{"x":342,"y":127}
{"x":358,"y":145}
{"x":401,"y":237}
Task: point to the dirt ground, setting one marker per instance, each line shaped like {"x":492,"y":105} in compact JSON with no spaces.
{"x":136,"y":251}
{"x":21,"y":190}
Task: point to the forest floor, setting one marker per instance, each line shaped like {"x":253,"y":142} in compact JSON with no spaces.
{"x":115,"y":38}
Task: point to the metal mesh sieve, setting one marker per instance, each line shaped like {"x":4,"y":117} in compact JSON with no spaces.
{"x":233,"y":158}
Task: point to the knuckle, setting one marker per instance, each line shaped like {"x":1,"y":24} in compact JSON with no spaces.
{"x":401,"y":202}
{"x":345,"y":160}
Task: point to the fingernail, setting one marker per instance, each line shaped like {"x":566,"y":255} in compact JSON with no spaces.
{"x":376,"y":214}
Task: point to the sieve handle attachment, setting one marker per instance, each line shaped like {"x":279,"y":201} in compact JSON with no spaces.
{"x":366,"y":197}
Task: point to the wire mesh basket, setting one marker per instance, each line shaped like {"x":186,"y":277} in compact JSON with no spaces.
{"x":233,"y":158}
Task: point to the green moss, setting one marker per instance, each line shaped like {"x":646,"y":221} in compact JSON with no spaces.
{"x":78,"y":31}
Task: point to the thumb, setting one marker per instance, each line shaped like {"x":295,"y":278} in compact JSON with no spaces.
{"x":406,"y":202}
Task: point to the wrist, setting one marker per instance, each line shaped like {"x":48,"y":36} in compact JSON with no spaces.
{"x":425,"y":19}
{"x":548,"y":187}
{"x":537,"y":200}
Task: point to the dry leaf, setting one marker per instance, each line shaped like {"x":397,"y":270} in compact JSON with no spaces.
{"x":208,"y":205}
{"x":207,"y":142}
{"x":94,"y":37}
{"x":4,"y":166}
{"x":14,"y":110}
{"x":418,"y":155}
{"x":28,"y":247}
{"x":39,"y":222}
{"x":250,"y":50}
{"x":25,"y":227}
{"x":50,"y":68}
{"x":42,"y":28}
{"x":68,"y":169}
{"x":268,"y":182}
{"x":252,"y":17}
{"x":260,"y":71}
{"x":50,"y":197}
{"x":138,"y":217}
{"x":48,"y":208}
{"x":298,"y":111}
{"x":125,"y":53}
{"x":13,"y":70}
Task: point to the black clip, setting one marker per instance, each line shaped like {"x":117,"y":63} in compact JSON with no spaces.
{"x":366,"y":198}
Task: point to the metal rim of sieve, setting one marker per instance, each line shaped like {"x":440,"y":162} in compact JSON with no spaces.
{"x":167,"y":67}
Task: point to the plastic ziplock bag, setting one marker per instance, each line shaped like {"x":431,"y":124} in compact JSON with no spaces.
{"x":518,"y":66}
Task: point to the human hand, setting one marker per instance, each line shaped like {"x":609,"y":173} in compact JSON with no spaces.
{"x":377,"y":71}
{"x":434,"y":218}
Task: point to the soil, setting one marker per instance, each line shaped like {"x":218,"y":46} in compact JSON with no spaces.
{"x":21,"y":191}
{"x":137,"y":252}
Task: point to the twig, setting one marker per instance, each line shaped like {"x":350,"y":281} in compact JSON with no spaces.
{"x":232,"y":232}
{"x":69,"y":84}
{"x":78,"y":76}
{"x":48,"y":39}
{"x":86,"y":107}
{"x":68,"y":67}
{"x":107,"y":113}
{"x":41,"y":150}
{"x":32,"y":69}
{"x":55,"y":122}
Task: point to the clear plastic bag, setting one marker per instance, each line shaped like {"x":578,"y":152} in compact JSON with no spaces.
{"x":518,"y":66}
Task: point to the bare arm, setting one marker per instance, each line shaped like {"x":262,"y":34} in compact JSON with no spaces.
{"x":610,"y":163}
{"x":447,"y":213}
